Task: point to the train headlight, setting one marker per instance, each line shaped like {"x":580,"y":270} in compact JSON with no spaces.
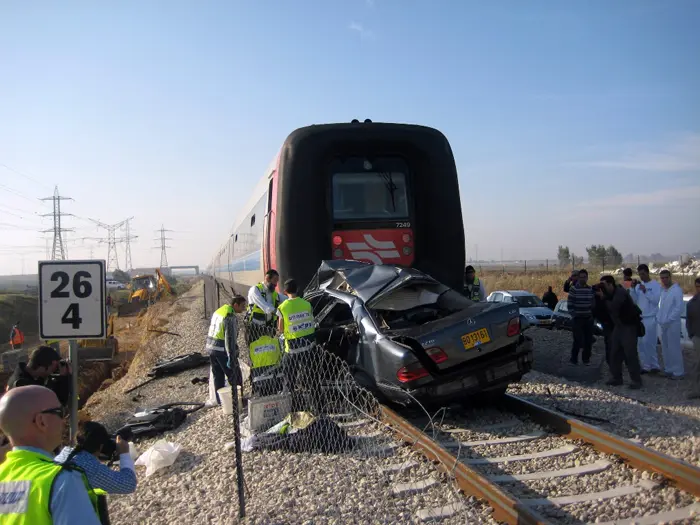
{"x":337,"y":240}
{"x":406,"y":237}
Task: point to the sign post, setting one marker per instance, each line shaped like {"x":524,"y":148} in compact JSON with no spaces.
{"x":71,"y":307}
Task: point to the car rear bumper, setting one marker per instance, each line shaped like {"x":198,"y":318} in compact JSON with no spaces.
{"x":505,"y":369}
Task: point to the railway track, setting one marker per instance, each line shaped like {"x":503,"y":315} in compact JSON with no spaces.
{"x":537,"y":466}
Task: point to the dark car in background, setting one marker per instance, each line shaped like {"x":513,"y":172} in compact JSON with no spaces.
{"x":407,"y":337}
{"x":562,"y":319}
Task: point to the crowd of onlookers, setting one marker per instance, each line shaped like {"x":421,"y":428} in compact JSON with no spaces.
{"x":630,"y":313}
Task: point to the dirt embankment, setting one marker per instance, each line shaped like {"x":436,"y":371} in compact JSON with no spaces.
{"x":141,"y":340}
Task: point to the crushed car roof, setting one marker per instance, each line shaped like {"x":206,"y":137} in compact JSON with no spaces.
{"x":365,"y":280}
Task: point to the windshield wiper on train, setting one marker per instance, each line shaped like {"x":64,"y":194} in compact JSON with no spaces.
{"x":390,"y":186}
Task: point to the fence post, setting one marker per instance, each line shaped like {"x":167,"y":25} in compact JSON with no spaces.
{"x":234,"y":379}
{"x":525,"y":266}
{"x":546,"y":263}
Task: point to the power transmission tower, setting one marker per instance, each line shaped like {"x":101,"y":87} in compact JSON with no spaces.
{"x":163,"y":253}
{"x":59,"y":250}
{"x":112,"y":259}
{"x":127,"y":239}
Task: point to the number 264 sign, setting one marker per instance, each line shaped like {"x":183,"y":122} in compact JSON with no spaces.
{"x":72,"y":300}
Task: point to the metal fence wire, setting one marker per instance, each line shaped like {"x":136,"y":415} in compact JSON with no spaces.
{"x":302,"y":398}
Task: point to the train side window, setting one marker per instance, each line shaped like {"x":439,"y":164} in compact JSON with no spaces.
{"x":252,"y":221}
{"x":269,"y":195}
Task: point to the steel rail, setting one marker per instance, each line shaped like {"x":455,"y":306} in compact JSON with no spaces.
{"x":681,"y":474}
{"x":506,"y":509}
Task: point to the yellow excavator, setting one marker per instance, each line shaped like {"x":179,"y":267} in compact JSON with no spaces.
{"x":145,"y":290}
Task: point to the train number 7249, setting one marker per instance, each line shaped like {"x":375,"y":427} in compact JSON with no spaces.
{"x":403,"y":224}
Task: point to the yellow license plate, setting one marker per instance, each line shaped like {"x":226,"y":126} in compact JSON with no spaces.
{"x":472,"y":339}
{"x":545,"y":321}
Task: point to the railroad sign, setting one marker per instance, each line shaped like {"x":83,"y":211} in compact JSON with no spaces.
{"x":72,"y":300}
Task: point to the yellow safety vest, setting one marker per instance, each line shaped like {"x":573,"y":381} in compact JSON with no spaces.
{"x":265,"y":351}
{"x":475,"y":294}
{"x":255,"y":309}
{"x":215,"y":337}
{"x":26,"y":478}
{"x":298,"y":315}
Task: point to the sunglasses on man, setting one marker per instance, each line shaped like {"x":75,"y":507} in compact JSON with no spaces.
{"x":58,"y":411}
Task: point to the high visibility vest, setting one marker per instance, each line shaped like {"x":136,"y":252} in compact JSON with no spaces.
{"x":265,"y":351}
{"x":26,"y":478}
{"x":215,"y":337}
{"x":255,"y":309}
{"x":298,"y":315}
{"x":17,"y":336}
{"x":475,"y":293}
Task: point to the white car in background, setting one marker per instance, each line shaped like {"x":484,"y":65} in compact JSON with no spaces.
{"x":116,"y":284}
{"x":686,"y":342}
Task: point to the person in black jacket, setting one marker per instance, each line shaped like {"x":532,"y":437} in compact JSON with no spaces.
{"x":624,"y":335}
{"x":550,"y":298}
{"x":602,"y":315}
{"x":43,"y":363}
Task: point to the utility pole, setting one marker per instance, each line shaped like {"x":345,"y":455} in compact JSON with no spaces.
{"x":127,"y":239}
{"x":112,"y":259}
{"x":163,"y":253}
{"x":59,"y":250}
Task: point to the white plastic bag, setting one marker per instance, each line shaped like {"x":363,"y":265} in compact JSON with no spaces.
{"x":211,"y":401}
{"x":161,"y":454}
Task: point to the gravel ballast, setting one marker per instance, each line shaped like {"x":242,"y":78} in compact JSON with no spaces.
{"x":659,"y":414}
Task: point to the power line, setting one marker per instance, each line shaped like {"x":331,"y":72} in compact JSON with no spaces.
{"x":59,"y":250}
{"x":163,"y":253}
{"x":18,"y":193}
{"x":32,"y":179}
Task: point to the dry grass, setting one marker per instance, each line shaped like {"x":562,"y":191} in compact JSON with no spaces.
{"x":538,"y":281}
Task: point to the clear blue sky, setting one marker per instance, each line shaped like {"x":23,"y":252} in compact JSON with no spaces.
{"x":572,"y":122}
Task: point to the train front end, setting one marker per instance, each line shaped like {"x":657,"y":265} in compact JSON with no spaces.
{"x":375,"y":192}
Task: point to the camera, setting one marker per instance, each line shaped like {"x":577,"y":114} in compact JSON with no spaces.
{"x":109,"y":445}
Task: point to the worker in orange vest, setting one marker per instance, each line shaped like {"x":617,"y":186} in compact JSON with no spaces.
{"x":16,"y":337}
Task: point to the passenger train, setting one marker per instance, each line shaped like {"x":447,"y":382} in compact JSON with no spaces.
{"x":375,"y":192}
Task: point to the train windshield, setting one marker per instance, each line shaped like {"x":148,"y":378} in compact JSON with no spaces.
{"x":370,"y":195}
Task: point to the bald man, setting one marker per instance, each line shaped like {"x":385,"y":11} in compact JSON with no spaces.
{"x":33,"y":489}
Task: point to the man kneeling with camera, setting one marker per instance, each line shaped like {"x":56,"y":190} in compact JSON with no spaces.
{"x":93,"y":444}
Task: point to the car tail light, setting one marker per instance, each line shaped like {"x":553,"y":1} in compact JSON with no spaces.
{"x":514,"y":326}
{"x":437,"y":354}
{"x":411,"y":373}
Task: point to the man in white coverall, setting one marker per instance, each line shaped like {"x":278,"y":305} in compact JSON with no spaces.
{"x":647,"y":294}
{"x":669,"y":319}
